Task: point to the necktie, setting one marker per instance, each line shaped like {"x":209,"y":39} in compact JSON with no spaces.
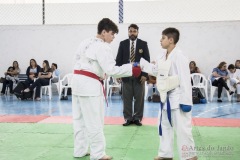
{"x":132,"y":56}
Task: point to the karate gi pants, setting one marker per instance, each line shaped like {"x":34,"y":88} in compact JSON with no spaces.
{"x":88,"y":123}
{"x":182,"y":124}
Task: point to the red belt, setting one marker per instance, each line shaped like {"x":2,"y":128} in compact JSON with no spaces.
{"x":94,"y":76}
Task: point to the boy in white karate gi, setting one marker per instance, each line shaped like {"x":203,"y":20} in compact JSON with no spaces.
{"x":175,"y":113}
{"x":94,"y":59}
{"x":234,"y":75}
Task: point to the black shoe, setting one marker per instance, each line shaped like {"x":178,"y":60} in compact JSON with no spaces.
{"x":219,"y":100}
{"x":128,"y":122}
{"x":138,"y":123}
{"x":149,"y":99}
{"x":231,"y":92}
{"x":64,"y":98}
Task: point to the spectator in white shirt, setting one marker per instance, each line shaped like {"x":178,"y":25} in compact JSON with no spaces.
{"x":56,"y":73}
{"x":234,"y":75}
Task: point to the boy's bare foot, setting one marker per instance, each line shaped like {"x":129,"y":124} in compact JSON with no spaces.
{"x":162,"y":158}
{"x":106,"y":157}
{"x":194,"y":158}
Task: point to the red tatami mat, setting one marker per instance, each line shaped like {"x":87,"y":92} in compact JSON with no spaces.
{"x":216,"y":122}
{"x":21,"y":118}
{"x":213,"y":122}
{"x":58,"y":119}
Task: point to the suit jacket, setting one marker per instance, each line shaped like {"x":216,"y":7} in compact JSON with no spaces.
{"x":123,"y":56}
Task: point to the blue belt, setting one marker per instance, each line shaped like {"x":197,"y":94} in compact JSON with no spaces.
{"x":168,"y":115}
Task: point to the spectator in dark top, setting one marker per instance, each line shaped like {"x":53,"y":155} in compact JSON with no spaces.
{"x":43,"y":80}
{"x":193,"y":67}
{"x":131,"y":50}
{"x":219,"y":78}
{"x":32,"y":72}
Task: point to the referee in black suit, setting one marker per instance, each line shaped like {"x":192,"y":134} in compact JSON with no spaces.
{"x":132,"y":50}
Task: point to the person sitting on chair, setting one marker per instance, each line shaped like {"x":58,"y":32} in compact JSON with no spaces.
{"x":152,"y":89}
{"x":219,"y":78}
{"x":11,"y":76}
{"x":32,"y":72}
{"x":235,"y":79}
{"x":193,"y":67}
{"x":44,"y":76}
{"x":55,"y":73}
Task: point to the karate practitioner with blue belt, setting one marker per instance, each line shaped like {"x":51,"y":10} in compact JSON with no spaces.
{"x":174,"y":85}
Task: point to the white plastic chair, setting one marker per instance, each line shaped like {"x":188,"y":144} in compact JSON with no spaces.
{"x":200,"y":81}
{"x":55,"y":83}
{"x":213,"y":88}
{"x":109,"y":87}
{"x":68,"y":79}
{"x":47,"y":88}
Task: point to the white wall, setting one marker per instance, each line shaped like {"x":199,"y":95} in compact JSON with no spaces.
{"x":207,"y":43}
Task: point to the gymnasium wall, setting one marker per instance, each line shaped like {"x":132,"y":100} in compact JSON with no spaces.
{"x":207,"y":43}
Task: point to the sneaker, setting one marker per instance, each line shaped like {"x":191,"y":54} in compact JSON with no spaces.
{"x":219,"y":100}
{"x":64,"y":98}
{"x":27,"y":90}
{"x":38,"y":99}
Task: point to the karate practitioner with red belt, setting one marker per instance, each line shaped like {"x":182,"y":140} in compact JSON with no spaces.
{"x":94,"y":60}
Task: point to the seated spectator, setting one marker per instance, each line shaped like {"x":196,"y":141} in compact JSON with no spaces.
{"x":56,"y":72}
{"x":16,"y":70}
{"x":152,"y":88}
{"x":44,"y":76}
{"x":32,"y":72}
{"x":237,"y":64}
{"x":113,"y":81}
{"x":193,"y":67}
{"x":11,"y":76}
{"x":235,"y":79}
{"x":219,"y":78}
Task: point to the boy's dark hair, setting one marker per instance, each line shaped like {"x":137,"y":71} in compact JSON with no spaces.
{"x":133,"y":26}
{"x":172,"y":33}
{"x":9,"y":68}
{"x":107,"y":25}
{"x":231,"y":66}
{"x":54,"y":65}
